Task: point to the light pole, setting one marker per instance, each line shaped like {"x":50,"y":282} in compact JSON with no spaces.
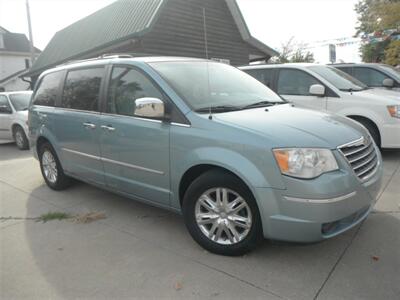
{"x":32,"y":49}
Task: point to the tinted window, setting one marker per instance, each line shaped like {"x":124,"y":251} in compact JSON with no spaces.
{"x":46,"y":93}
{"x":126,"y":86}
{"x":4,"y":102}
{"x":369,"y":76}
{"x":20,"y":101}
{"x":345,"y":69}
{"x":82,"y":89}
{"x":264,"y":76}
{"x":295,"y":82}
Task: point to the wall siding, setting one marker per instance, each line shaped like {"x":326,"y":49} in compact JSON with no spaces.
{"x":179,"y":32}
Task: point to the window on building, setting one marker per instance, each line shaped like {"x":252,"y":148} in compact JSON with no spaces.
{"x":126,"y":86}
{"x":82,"y":89}
{"x":1,"y":41}
{"x":46,"y":93}
{"x":295,"y":82}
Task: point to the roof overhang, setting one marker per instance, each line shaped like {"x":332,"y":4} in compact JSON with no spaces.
{"x":245,"y":32}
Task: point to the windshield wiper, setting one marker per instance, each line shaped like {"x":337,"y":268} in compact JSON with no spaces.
{"x":263,"y":104}
{"x":217,"y":109}
{"x":350,"y":90}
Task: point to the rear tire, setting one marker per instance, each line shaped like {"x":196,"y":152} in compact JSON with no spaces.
{"x":51,"y":168}
{"x":228,"y":224}
{"x":20,"y":138}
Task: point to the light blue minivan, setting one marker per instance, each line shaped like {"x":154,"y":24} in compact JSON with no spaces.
{"x":207,"y":140}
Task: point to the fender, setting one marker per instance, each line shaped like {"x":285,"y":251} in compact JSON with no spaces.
{"x":224,"y":158}
{"x":362,"y":112}
{"x":44,"y":132}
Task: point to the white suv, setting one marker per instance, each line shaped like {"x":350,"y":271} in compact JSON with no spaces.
{"x":14,"y":117}
{"x":326,"y":88}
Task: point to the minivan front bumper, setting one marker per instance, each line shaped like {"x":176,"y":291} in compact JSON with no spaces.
{"x":313,"y":218}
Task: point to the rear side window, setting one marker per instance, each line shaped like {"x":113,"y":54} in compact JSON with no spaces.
{"x":126,"y":86}
{"x":46,"y":93}
{"x":345,"y":69}
{"x":264,"y":76}
{"x":82,"y":89}
{"x":295,"y":82}
{"x":369,"y":76}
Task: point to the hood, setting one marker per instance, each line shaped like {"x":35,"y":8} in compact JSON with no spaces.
{"x":288,"y":126}
{"x":387,"y":96}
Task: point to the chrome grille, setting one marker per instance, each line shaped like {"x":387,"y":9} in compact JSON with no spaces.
{"x":362,"y":157}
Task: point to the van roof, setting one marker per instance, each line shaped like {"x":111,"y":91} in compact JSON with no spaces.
{"x":119,"y":58}
{"x":263,"y":66}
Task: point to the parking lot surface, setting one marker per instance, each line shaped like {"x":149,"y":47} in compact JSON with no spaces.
{"x":139,"y":251}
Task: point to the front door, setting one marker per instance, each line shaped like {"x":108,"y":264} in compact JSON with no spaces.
{"x":135,"y":151}
{"x":78,"y":128}
{"x":294,"y":85}
{"x":5,"y":118}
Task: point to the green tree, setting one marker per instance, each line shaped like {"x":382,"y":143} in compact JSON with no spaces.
{"x":376,"y":16}
{"x":392,"y":53}
{"x":292,"y":52}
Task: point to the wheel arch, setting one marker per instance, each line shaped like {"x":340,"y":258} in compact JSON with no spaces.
{"x":360,"y":119}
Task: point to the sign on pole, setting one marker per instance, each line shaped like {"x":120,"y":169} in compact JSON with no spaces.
{"x":332,"y":53}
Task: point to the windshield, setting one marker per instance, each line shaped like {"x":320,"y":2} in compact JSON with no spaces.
{"x":391,"y":70}
{"x":206,"y":85}
{"x":339,"y":79}
{"x":20,"y":101}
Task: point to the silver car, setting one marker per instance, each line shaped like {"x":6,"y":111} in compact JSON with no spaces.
{"x":14,"y":118}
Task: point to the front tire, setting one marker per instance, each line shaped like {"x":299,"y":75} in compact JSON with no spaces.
{"x":221,"y":214}
{"x":20,"y":138}
{"x":372,"y":129}
{"x":51,"y":168}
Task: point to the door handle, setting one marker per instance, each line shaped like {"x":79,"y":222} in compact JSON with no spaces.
{"x":108,"y":127}
{"x":89,"y":125}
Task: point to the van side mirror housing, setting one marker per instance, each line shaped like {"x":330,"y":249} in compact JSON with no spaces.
{"x":317,"y":90}
{"x":388,"y":82}
{"x":149,"y":108}
{"x":5,"y":109}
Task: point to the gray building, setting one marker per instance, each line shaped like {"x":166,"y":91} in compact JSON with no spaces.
{"x":194,"y":28}
{"x":15,"y":60}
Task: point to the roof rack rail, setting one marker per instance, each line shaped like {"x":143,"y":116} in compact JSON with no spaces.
{"x":103,"y":56}
{"x":116,"y":55}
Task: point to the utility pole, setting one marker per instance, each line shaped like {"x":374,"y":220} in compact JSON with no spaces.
{"x":32,"y":49}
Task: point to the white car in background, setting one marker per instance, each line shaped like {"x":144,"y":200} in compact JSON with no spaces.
{"x":323,"y":87}
{"x":14,"y":118}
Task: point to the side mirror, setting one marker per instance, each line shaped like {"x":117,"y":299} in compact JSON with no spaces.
{"x":5,"y":109}
{"x":389,"y":83}
{"x":149,"y":108}
{"x":317,"y":90}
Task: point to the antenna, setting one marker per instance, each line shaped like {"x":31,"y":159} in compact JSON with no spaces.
{"x":206,"y":48}
{"x":205,"y":32}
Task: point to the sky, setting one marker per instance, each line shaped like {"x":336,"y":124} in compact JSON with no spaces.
{"x":272,"y":21}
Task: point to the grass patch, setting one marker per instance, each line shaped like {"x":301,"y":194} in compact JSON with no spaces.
{"x":89,"y":217}
{"x":51,"y":216}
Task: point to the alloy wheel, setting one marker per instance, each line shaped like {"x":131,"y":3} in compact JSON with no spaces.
{"x":49,"y":166}
{"x":223,"y":216}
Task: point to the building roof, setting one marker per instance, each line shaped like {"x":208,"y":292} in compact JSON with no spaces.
{"x":14,"y":42}
{"x":121,"y":21}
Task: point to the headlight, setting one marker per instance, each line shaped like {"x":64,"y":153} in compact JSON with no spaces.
{"x":305,"y":162}
{"x":394,"y":111}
